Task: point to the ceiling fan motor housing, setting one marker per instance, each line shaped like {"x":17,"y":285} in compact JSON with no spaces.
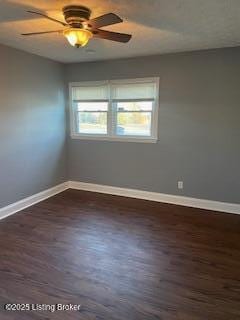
{"x":75,"y":15}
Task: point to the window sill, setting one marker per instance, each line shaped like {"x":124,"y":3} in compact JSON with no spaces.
{"x":120,"y":139}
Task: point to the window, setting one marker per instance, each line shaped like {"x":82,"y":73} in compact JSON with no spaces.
{"x":124,"y":110}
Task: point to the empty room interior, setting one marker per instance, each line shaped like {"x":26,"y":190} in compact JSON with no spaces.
{"x":119,"y":160}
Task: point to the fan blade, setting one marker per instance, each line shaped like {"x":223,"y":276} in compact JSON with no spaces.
{"x":102,"y":21}
{"x":114,"y":36}
{"x":52,"y":19}
{"x":36,"y":33}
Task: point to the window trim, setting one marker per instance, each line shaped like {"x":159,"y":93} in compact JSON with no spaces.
{"x":110,"y":124}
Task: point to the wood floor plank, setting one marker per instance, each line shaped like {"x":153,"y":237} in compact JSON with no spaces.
{"x":120,"y":258}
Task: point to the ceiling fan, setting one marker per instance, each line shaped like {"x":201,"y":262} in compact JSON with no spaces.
{"x":80,"y":28}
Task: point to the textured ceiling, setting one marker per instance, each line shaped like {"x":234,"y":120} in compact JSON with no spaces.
{"x":157,"y":26}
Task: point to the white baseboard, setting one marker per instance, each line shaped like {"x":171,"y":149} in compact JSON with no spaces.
{"x":132,"y":193}
{"x":27,"y":202}
{"x":159,"y":197}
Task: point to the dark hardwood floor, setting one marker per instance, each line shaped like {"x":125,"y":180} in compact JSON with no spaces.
{"x":120,"y":258}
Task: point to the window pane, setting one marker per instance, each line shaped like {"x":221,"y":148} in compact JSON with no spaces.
{"x":135,"y":106}
{"x":133,"y":123}
{"x":92,"y":106}
{"x":92,"y":122}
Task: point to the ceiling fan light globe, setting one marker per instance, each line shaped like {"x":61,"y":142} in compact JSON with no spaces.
{"x":77,"y":37}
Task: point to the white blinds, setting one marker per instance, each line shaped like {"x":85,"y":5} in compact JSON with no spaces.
{"x":95,"y":93}
{"x":141,"y":90}
{"x":118,"y":90}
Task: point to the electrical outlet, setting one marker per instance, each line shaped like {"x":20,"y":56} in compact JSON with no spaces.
{"x":180,"y":184}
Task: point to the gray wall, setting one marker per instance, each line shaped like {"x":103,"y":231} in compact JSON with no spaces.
{"x":199,"y":127}
{"x":32,"y":125}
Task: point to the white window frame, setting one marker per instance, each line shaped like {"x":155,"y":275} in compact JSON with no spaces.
{"x":110,"y":136}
